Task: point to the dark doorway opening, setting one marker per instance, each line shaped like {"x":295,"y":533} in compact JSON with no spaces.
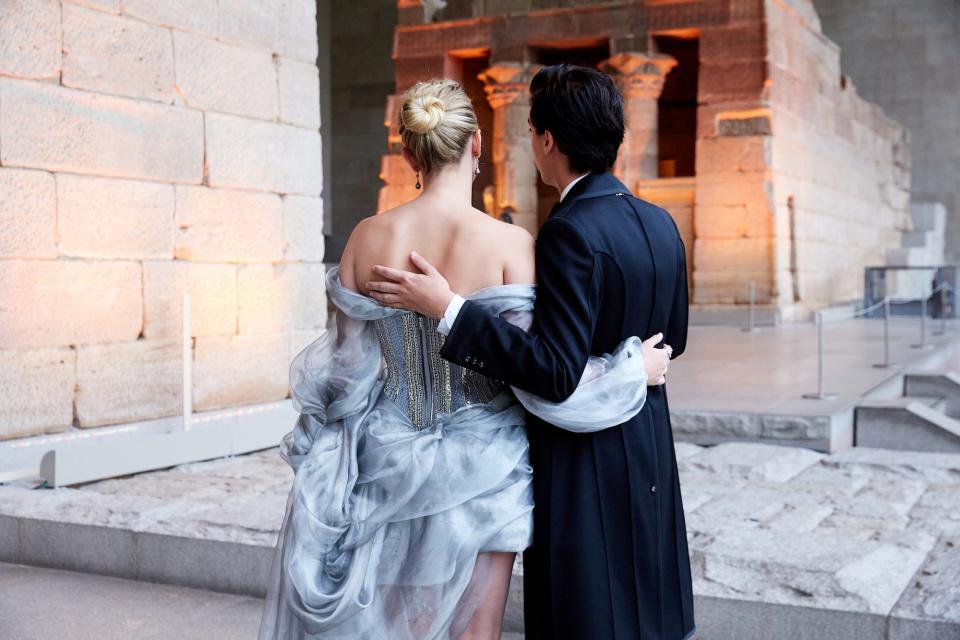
{"x":465,"y":67}
{"x":677,"y":107}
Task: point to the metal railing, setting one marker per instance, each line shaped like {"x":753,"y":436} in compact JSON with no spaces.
{"x":942,"y":289}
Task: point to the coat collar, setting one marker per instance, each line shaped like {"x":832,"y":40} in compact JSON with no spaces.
{"x":593,"y":185}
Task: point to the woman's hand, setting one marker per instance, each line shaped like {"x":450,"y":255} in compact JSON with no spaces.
{"x":656,"y":361}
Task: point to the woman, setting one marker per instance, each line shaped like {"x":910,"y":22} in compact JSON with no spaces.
{"x":412,"y":488}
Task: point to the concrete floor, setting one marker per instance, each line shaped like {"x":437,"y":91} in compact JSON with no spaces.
{"x":725,"y":369}
{"x":47,"y":604}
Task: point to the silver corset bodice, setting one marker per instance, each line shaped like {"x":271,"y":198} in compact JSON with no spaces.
{"x":418,"y":380}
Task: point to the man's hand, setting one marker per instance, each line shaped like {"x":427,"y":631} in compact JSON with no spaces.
{"x":656,"y":361}
{"x":426,"y":292}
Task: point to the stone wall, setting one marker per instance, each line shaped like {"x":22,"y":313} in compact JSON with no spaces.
{"x":903,"y":56}
{"x":147,"y":148}
{"x":840,"y":167}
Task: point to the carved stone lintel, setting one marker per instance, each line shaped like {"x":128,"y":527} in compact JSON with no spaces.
{"x":639,"y":75}
{"x":507,"y":81}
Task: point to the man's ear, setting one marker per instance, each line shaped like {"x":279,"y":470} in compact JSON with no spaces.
{"x":408,"y":156}
{"x":549,"y":144}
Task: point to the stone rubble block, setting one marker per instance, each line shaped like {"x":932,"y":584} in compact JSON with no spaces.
{"x":107,"y":218}
{"x":934,"y":593}
{"x":923,"y":466}
{"x":226,"y":77}
{"x":753,"y":461}
{"x":36,"y":391}
{"x":715,"y":423}
{"x":28,"y":214}
{"x":30,"y":38}
{"x":50,"y":127}
{"x":116,"y":55}
{"x":196,"y":16}
{"x":47,"y":302}
{"x":128,"y":381}
{"x":252,"y":154}
{"x":811,"y":569}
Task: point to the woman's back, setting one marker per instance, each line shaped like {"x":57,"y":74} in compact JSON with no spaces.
{"x":471,"y":249}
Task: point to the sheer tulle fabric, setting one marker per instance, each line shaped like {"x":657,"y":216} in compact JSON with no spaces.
{"x":386,"y":528}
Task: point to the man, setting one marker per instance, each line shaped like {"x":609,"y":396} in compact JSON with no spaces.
{"x":609,"y":555}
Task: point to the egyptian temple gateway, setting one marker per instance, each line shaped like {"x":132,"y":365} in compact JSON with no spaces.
{"x":740,"y":123}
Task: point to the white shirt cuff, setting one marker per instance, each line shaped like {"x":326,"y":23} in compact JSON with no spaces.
{"x":450,"y":315}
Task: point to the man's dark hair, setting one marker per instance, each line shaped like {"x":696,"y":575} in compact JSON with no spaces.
{"x":583,"y":110}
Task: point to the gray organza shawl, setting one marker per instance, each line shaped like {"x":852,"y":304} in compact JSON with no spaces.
{"x":386,"y":527}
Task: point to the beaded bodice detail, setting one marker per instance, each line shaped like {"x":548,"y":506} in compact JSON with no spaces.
{"x":418,"y":380}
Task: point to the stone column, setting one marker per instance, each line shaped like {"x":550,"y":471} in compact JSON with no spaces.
{"x":515,"y":174}
{"x":639,"y":77}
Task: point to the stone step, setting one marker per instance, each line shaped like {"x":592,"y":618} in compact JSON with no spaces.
{"x":911,"y":257}
{"x":906,"y":424}
{"x":945,"y":385}
{"x":928,"y":216}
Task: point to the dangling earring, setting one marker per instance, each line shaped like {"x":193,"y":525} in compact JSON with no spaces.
{"x":476,"y":168}
{"x":418,"y":180}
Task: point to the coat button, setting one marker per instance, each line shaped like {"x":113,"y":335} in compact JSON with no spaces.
{"x":653,"y":488}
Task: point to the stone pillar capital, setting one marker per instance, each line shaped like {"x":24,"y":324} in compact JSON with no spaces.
{"x":506,"y":81}
{"x":639,"y":75}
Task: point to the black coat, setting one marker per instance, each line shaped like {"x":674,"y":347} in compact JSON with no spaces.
{"x":609,"y":556}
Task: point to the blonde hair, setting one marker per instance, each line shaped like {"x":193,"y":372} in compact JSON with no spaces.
{"x":436,"y":121}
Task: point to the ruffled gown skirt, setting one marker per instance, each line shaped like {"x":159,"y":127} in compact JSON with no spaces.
{"x":386,"y":525}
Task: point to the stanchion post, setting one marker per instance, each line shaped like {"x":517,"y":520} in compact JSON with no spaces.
{"x":821,"y":393}
{"x":187,"y":377}
{"x":887,"y":363}
{"x":943,"y":310}
{"x":752,"y":313}
{"x":923,"y":326}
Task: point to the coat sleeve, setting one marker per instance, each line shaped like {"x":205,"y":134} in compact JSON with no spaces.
{"x":550,"y":360}
{"x":675,"y":334}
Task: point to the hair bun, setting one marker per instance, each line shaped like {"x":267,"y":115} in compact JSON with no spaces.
{"x":423,"y":114}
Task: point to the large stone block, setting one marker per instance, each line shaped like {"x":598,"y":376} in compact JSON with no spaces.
{"x":126,"y":381}
{"x":742,"y":154}
{"x":30,"y":38}
{"x":736,"y":221}
{"x":731,"y":287}
{"x":250,"y":22}
{"x":285,"y":297}
{"x":264,"y":156}
{"x":225,"y":77}
{"x":48,"y":302}
{"x":36,"y":391}
{"x":106,"y":218}
{"x":117,"y":55}
{"x":213,"y":298}
{"x":298,"y":29}
{"x":733,"y":254}
{"x":225,"y":225}
{"x":197,"y":16}
{"x":235,"y":370}
{"x":28,"y":214}
{"x":303,"y":228}
{"x":60,"y":129}
{"x":299,"y":93}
